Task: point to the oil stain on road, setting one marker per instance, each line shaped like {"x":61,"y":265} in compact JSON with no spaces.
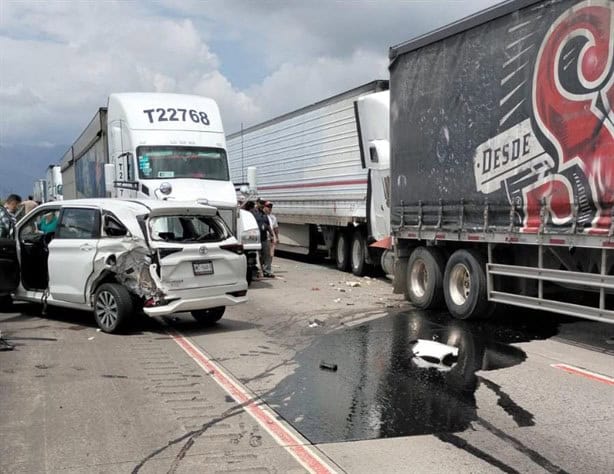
{"x":412,"y":373}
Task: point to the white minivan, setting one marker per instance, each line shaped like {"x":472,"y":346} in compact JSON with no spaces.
{"x":117,"y":257}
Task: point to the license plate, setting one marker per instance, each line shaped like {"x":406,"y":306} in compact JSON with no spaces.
{"x":202,"y":268}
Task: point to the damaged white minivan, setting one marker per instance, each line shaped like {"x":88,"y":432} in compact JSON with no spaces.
{"x":118,"y":257}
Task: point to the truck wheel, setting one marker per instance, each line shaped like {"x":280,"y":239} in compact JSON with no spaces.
{"x":112,"y":306}
{"x":209,"y":316}
{"x":465,"y":285}
{"x":425,"y":270}
{"x":342,"y":252}
{"x":358,"y":254}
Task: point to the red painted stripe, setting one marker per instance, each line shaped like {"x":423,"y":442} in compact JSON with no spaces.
{"x":440,"y":236}
{"x":607,"y":243}
{"x":557,"y":241}
{"x":314,"y":185}
{"x":584,"y":373}
{"x":473,"y":237}
{"x":512,"y":239}
{"x":284,"y":437}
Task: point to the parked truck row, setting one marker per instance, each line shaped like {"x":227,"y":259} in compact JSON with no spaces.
{"x":481,"y":173}
{"x":489,"y":158}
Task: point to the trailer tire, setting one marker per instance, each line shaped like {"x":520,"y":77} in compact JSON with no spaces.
{"x":342,"y":252}
{"x":424,"y":286}
{"x":465,"y":285}
{"x":358,"y":254}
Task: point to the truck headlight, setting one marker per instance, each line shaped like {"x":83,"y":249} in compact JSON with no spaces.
{"x":166,"y":188}
{"x":251,"y":236}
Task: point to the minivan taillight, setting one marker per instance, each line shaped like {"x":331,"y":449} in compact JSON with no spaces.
{"x":235,"y":248}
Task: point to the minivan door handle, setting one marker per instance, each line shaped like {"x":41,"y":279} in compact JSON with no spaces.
{"x":86,"y":247}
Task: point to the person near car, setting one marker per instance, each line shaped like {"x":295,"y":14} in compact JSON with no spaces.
{"x":274,"y":234}
{"x":8,"y":215}
{"x":265,"y":230}
{"x":49,"y":222}
{"x":28,"y":204}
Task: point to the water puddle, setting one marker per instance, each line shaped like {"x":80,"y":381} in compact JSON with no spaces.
{"x":412,"y":373}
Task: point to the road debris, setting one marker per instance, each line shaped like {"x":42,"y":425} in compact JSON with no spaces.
{"x":4,"y":344}
{"x":91,"y":338}
{"x":316,"y":323}
{"x":328,"y":366}
{"x":352,"y":284}
{"x":337,"y":300}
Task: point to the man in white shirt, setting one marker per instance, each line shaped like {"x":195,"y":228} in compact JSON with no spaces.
{"x":274,"y":234}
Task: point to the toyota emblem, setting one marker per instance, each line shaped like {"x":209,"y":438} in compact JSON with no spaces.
{"x":202,"y":250}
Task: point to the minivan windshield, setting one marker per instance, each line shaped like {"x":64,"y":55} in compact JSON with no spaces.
{"x":188,"y":229}
{"x":164,"y":162}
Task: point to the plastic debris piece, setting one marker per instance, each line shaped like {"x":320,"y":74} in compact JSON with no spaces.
{"x":328,"y":366}
{"x":316,"y":323}
{"x":337,"y":300}
{"x":90,"y":338}
{"x":352,"y":284}
{"x":5,"y":346}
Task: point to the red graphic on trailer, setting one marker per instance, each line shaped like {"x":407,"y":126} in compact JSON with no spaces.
{"x":573,"y":96}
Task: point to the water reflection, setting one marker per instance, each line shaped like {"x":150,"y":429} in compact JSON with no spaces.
{"x":392,"y":381}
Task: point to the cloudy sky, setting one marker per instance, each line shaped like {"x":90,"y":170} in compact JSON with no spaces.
{"x":59,"y":60}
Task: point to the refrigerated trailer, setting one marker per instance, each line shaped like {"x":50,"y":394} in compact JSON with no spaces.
{"x":326,"y":169}
{"x":502,"y":161}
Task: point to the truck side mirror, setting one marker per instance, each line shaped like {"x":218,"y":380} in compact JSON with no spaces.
{"x":109,"y":177}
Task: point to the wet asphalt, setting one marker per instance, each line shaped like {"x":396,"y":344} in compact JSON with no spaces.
{"x":366,"y":382}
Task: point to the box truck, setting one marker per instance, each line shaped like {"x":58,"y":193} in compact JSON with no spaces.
{"x":326,"y":169}
{"x":502,"y":161}
{"x":157,"y":146}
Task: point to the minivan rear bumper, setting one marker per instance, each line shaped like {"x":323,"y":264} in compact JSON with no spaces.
{"x":192,"y":304}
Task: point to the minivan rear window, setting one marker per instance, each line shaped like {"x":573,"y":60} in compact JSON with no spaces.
{"x":188,"y":229}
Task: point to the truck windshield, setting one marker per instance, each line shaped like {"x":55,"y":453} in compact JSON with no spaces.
{"x":165,"y":162}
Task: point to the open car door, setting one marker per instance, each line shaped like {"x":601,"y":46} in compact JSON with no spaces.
{"x":9,"y":266}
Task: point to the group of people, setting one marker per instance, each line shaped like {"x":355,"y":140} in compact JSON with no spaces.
{"x":269,"y":232}
{"x":14,"y":208}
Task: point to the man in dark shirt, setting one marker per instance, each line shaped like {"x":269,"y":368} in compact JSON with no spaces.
{"x":8,"y":215}
{"x":265,"y":230}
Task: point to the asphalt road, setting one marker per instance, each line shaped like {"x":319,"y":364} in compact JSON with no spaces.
{"x":317,"y":373}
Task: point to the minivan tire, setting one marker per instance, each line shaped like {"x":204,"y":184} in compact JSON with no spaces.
{"x":113,"y":306}
{"x":209,"y":316}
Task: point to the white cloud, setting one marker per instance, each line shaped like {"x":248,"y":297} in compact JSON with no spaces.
{"x":59,"y":61}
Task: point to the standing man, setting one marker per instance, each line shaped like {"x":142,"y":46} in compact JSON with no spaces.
{"x":29,"y":204}
{"x":268,"y":210}
{"x":8,"y":215}
{"x":265,"y":230}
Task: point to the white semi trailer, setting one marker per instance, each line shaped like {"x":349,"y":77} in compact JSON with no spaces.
{"x":326,"y":168}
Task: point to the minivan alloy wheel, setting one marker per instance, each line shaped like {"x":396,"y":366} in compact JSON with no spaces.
{"x":106,"y":309}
